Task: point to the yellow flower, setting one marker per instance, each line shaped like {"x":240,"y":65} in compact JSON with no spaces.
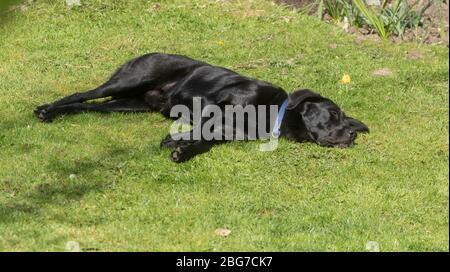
{"x":221,"y":43}
{"x":346,"y":79}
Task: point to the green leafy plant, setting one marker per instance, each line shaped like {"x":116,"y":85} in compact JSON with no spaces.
{"x":335,"y":8}
{"x":391,"y":18}
{"x":338,"y":10}
{"x":374,"y":19}
{"x":401,"y":16}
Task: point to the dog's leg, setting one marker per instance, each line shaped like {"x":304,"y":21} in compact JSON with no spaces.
{"x":186,"y":146}
{"x":131,"y":79}
{"x":172,"y":141}
{"x":116,"y":105}
{"x":154,"y":99}
{"x":111,"y":88}
{"x":186,"y":137}
{"x":186,"y":150}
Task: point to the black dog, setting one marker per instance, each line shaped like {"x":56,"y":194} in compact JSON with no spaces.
{"x":157,"y":82}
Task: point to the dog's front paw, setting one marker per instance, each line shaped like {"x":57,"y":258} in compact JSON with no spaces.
{"x":178,"y":155}
{"x":169,"y":142}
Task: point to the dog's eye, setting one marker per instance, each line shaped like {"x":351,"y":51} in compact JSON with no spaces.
{"x":335,"y":114}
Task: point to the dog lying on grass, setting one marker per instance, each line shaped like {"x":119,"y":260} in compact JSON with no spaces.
{"x":159,"y":82}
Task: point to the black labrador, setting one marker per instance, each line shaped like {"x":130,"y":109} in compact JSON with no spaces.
{"x":157,"y":82}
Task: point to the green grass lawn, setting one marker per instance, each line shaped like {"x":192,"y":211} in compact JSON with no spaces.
{"x":103,"y":181}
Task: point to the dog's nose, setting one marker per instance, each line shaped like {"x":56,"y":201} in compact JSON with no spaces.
{"x":352,"y":133}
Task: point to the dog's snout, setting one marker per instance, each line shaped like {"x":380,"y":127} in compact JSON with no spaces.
{"x":351,"y":133}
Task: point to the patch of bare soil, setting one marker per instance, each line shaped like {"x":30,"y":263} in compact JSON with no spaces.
{"x":437,"y":17}
{"x":382,"y":72}
{"x":434,"y":30}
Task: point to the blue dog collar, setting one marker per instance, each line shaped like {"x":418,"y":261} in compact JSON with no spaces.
{"x":276,"y":129}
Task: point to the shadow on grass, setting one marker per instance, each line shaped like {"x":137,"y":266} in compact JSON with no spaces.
{"x":7,"y":9}
{"x":74,"y":180}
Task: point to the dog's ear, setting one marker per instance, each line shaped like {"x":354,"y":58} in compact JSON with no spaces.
{"x":297,"y":97}
{"x":357,"y":125}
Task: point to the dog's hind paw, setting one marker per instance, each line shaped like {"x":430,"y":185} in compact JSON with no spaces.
{"x":40,"y":108}
{"x":43,"y":114}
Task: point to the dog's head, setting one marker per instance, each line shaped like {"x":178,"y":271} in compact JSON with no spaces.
{"x":321,"y":120}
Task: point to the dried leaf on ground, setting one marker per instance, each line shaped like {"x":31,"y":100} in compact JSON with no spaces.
{"x":222,"y":232}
